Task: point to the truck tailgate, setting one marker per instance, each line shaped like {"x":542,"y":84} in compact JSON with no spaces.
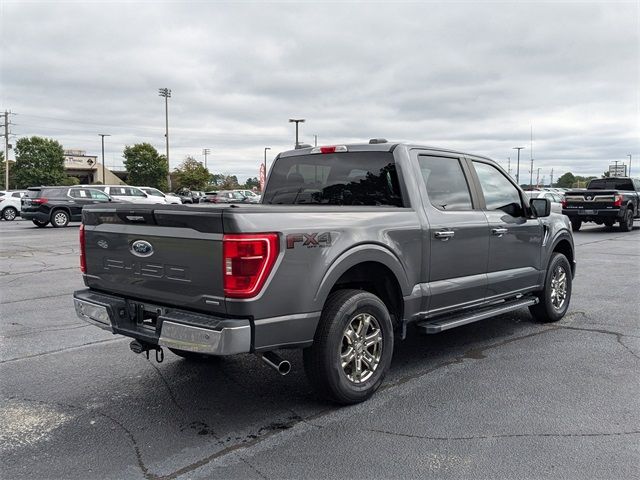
{"x":590,"y":199}
{"x":171,"y":256}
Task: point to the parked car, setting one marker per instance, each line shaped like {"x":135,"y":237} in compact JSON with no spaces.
{"x":252,"y":197}
{"x":225,"y":196}
{"x":604,"y":202}
{"x":174,"y":198}
{"x":154,"y":192}
{"x":10,"y":204}
{"x":350,"y":245}
{"x":189,"y":196}
{"x":59,"y":205}
{"x":197,"y":196}
{"x":554,"y":198}
{"x":128,"y":194}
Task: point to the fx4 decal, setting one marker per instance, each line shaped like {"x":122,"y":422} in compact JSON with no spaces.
{"x":309,"y":240}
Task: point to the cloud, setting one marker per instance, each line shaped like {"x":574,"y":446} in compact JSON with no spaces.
{"x":470,"y":76}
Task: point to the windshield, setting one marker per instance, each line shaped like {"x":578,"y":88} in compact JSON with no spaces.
{"x":611,"y":184}
{"x":358,"y":178}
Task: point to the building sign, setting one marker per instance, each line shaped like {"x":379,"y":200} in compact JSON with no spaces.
{"x":619,"y":170}
{"x":79,"y":160}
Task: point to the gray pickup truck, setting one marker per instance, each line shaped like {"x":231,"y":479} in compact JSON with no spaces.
{"x":350,"y":244}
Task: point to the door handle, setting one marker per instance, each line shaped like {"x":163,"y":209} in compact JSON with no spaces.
{"x":445,"y":234}
{"x":498,"y":232}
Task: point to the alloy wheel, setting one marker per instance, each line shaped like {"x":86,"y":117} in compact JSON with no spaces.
{"x":558,"y":287}
{"x":361,"y":348}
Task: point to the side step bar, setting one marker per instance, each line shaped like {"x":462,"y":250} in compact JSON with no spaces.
{"x":437,"y":326}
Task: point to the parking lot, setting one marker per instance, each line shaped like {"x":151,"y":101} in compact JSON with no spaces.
{"x":503,"y":398}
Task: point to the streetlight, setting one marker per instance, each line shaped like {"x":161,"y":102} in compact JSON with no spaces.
{"x":103,"y":175}
{"x":205,"y":152}
{"x":166,"y":93}
{"x":518,"y":167}
{"x":297,"y":121}
{"x":629,"y":155}
{"x":265,"y":160}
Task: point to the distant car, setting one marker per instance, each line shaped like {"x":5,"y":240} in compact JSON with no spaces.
{"x":127,"y":194}
{"x":10,"y":204}
{"x":225,"y":196}
{"x":554,"y":198}
{"x":197,"y":196}
{"x":189,"y":196}
{"x":252,"y":197}
{"x":154,"y":192}
{"x":59,"y":205}
{"x":174,"y":197}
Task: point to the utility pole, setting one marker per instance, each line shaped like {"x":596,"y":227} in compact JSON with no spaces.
{"x":166,"y":93}
{"x":297,"y":121}
{"x":315,"y":140}
{"x":538,"y":178}
{"x":629,"y":155}
{"x":531,"y":177}
{"x":6,"y":150}
{"x":265,"y":160}
{"x":509,"y":165}
{"x":518,"y":167}
{"x":104,"y":181}
{"x":205,"y":152}
{"x":551,"y":183}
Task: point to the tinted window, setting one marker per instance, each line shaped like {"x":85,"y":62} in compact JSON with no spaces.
{"x":98,"y":195}
{"x":611,"y":184}
{"x":358,"y":178}
{"x":153,"y":191}
{"x":499,"y":192}
{"x":446,"y":184}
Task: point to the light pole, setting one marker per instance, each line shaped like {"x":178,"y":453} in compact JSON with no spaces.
{"x":103,"y":169}
{"x":166,"y":93}
{"x":265,"y":160}
{"x":297,"y":121}
{"x":315,"y":140}
{"x":518,"y":166}
{"x":205,"y":152}
{"x":629,"y":155}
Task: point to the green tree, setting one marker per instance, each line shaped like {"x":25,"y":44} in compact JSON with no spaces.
{"x":146,"y":166}
{"x":230,"y":182}
{"x":39,"y":161}
{"x":252,"y":182}
{"x":191,"y":174}
{"x":566,"y":181}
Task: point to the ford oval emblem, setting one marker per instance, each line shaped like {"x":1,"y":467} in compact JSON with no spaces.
{"x":141,"y":248}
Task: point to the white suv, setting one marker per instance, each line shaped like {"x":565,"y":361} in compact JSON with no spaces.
{"x":127,"y":193}
{"x":10,"y":204}
{"x":154,"y":192}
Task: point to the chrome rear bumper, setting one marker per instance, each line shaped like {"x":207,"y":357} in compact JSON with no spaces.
{"x":199,"y":333}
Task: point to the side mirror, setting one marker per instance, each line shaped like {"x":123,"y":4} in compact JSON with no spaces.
{"x":541,"y":207}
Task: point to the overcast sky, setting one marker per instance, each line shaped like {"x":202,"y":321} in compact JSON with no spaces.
{"x":465,"y":75}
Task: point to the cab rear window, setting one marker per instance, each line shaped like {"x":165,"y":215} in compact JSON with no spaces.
{"x":352,"y":178}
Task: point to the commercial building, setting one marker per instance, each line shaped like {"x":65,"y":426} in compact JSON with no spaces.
{"x":87,"y":168}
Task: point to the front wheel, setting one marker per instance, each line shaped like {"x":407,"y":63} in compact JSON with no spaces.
{"x":626,"y":224}
{"x":60,"y":219}
{"x":555,"y":297}
{"x":9,"y":214}
{"x":352,"y":347}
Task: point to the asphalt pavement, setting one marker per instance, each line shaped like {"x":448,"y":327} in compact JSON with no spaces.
{"x":503,"y":398}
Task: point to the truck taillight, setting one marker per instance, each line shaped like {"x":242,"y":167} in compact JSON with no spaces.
{"x":617,"y":201}
{"x":83,"y":258}
{"x":563,"y":202}
{"x":247,"y":262}
{"x":40,"y":201}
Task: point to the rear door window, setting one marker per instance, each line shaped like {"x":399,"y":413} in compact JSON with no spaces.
{"x":445,"y":182}
{"x":350,"y":178}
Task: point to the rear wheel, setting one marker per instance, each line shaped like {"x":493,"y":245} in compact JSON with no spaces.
{"x":40,"y":224}
{"x":352,"y":347}
{"x":576,"y":224}
{"x":60,"y":219}
{"x":626,"y":224}
{"x":554,"y":299}
{"x":9,"y":214}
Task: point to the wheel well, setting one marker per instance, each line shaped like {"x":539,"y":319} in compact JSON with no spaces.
{"x":66,"y":210}
{"x":378,"y":279}
{"x":564,"y":247}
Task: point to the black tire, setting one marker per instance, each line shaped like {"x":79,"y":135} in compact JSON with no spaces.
{"x":626,"y":224}
{"x":39,"y":224}
{"x":547,"y":309}
{"x":193,"y":356}
{"x":59,"y":218}
{"x":323,"y":360}
{"x":9,"y":214}
{"x":576,"y":224}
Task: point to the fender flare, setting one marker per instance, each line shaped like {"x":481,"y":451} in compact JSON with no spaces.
{"x":357,"y":255}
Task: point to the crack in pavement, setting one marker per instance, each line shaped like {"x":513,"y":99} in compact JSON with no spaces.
{"x":619,"y":336}
{"x":51,"y":352}
{"x":39,"y":298}
{"x":507,"y":435}
{"x":31,"y":332}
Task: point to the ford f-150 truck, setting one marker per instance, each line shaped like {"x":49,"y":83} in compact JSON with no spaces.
{"x":605,"y":202}
{"x":350,"y":245}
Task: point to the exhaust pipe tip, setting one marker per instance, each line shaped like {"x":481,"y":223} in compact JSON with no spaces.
{"x":283,"y":367}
